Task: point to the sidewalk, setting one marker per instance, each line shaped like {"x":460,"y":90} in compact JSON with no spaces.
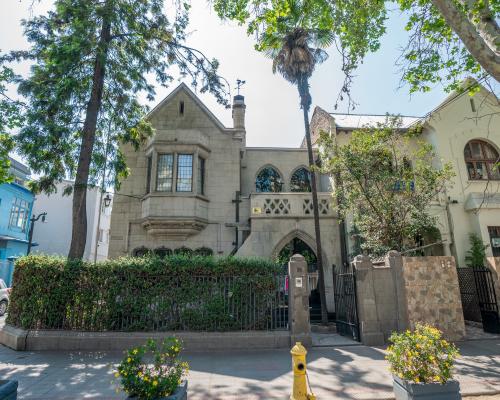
{"x":345,"y":372}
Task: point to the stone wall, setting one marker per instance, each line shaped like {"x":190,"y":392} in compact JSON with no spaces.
{"x":433,"y":295}
{"x":400,"y":291}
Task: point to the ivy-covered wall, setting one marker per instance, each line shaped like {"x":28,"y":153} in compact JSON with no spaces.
{"x":147,"y":294}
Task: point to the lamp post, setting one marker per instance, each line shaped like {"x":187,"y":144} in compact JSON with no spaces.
{"x":33,"y":219}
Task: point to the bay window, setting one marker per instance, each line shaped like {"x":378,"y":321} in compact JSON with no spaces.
{"x":165,"y":172}
{"x":184,"y":173}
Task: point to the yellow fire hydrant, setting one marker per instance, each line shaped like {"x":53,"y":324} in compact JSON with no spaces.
{"x":299,"y":392}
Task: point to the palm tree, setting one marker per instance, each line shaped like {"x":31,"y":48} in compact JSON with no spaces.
{"x":296,"y":49}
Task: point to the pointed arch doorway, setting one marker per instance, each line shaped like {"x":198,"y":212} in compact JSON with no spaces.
{"x":298,"y":246}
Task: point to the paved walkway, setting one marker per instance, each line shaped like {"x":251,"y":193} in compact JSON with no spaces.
{"x":343,"y":372}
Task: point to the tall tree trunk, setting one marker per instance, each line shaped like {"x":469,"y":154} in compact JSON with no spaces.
{"x":481,"y":40}
{"x":79,"y":218}
{"x":305,"y":101}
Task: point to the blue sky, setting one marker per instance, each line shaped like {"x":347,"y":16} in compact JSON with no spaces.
{"x":273,"y":114}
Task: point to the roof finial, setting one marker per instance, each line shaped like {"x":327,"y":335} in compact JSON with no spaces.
{"x":239,"y":84}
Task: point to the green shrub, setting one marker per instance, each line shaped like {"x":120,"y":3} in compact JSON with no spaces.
{"x":152,"y":371}
{"x":147,"y":293}
{"x":422,"y":356}
{"x":476,"y":255}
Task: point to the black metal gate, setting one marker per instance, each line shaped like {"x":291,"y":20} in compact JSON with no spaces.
{"x":479,"y":300}
{"x":346,"y":311}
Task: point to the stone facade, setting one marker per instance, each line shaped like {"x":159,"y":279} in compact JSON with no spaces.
{"x":401,"y":291}
{"x":227,"y":215}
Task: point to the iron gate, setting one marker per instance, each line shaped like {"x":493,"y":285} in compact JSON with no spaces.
{"x":346,"y":311}
{"x":478,"y":294}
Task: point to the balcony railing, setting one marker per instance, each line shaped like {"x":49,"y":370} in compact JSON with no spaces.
{"x":265,"y":205}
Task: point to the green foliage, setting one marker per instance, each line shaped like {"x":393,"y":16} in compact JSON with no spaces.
{"x":476,"y":255}
{"x":10,"y":118}
{"x":386,"y":181}
{"x":148,"y":381}
{"x":144,"y":293}
{"x":354,"y":26}
{"x":421,"y":356}
{"x":66,"y":44}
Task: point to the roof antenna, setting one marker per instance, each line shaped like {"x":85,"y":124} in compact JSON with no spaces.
{"x":239,"y":84}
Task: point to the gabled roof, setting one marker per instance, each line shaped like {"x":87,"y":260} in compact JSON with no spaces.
{"x":355,"y":121}
{"x":185,"y":88}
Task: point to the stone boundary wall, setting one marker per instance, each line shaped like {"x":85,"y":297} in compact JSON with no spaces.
{"x":400,"y":291}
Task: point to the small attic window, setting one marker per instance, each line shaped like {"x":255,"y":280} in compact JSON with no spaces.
{"x":181,"y":108}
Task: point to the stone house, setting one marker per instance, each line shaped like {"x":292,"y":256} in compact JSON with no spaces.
{"x":196,"y":186}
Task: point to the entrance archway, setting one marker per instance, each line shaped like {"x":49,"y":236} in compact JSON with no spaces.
{"x":298,"y":246}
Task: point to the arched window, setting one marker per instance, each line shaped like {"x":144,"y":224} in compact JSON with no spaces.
{"x":301,"y":181}
{"x":163,"y":252}
{"x":268,"y":180}
{"x":140,"y":252}
{"x":481,"y":159}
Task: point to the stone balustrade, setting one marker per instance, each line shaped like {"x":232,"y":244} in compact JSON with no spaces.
{"x":268,"y":205}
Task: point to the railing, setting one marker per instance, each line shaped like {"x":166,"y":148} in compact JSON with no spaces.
{"x":165,"y":303}
{"x":289,"y":205}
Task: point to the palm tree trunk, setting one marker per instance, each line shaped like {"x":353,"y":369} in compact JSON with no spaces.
{"x":305,"y":101}
{"x":79,"y":218}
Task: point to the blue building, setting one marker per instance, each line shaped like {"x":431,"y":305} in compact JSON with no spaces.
{"x":16,"y":204}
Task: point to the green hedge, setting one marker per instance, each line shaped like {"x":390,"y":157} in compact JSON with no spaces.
{"x":149,"y":293}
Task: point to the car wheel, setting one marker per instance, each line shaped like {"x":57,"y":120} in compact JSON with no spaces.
{"x":3,"y":307}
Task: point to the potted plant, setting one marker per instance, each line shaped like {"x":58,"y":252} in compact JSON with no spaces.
{"x":154,"y":371}
{"x":8,"y":390}
{"x":422,"y":365}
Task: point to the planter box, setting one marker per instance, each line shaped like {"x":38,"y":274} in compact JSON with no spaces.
{"x":179,"y":394}
{"x":404,"y":390}
{"x":8,"y":390}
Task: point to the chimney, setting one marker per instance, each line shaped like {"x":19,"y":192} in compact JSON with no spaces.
{"x":239,"y":112}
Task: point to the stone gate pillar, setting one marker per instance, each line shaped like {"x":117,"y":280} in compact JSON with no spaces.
{"x":298,"y":301}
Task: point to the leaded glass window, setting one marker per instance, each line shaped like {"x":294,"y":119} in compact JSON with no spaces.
{"x":481,"y":160}
{"x":165,"y":173}
{"x":148,"y":174}
{"x":201,"y":175}
{"x":268,"y":180}
{"x":301,"y":181}
{"x":184,"y":173}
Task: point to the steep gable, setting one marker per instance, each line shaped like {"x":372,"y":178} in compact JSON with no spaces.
{"x":183,"y":109}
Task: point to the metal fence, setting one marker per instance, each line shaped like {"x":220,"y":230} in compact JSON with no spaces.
{"x":163,"y":303}
{"x":468,"y":293}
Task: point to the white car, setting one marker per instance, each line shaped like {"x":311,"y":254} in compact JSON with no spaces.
{"x":4,"y":297}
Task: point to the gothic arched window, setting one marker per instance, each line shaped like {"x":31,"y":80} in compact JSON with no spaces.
{"x":482,"y":160}
{"x":163,"y":252}
{"x":300,"y":181}
{"x":268,"y":180}
{"x":204,"y":251}
{"x":140,"y":252}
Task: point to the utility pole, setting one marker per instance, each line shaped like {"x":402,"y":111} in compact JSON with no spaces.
{"x":33,"y":219}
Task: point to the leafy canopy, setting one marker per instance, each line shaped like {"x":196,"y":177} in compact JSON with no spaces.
{"x":354,"y":26}
{"x":10,"y":118}
{"x":144,"y":42}
{"x":385,"y":180}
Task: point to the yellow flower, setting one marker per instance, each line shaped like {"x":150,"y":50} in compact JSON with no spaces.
{"x":135,"y":351}
{"x":139,"y":373}
{"x":117,"y":374}
{"x":146,"y":379}
{"x":129,"y":359}
{"x":155,"y":383}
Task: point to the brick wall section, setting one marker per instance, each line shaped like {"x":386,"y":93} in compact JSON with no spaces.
{"x":433,"y":294}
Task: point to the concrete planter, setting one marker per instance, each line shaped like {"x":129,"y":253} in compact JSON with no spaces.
{"x":404,"y":390}
{"x":179,"y":394}
{"x":8,"y":390}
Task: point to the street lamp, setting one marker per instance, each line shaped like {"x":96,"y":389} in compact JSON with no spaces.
{"x":107,"y":200}
{"x":33,"y":219}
